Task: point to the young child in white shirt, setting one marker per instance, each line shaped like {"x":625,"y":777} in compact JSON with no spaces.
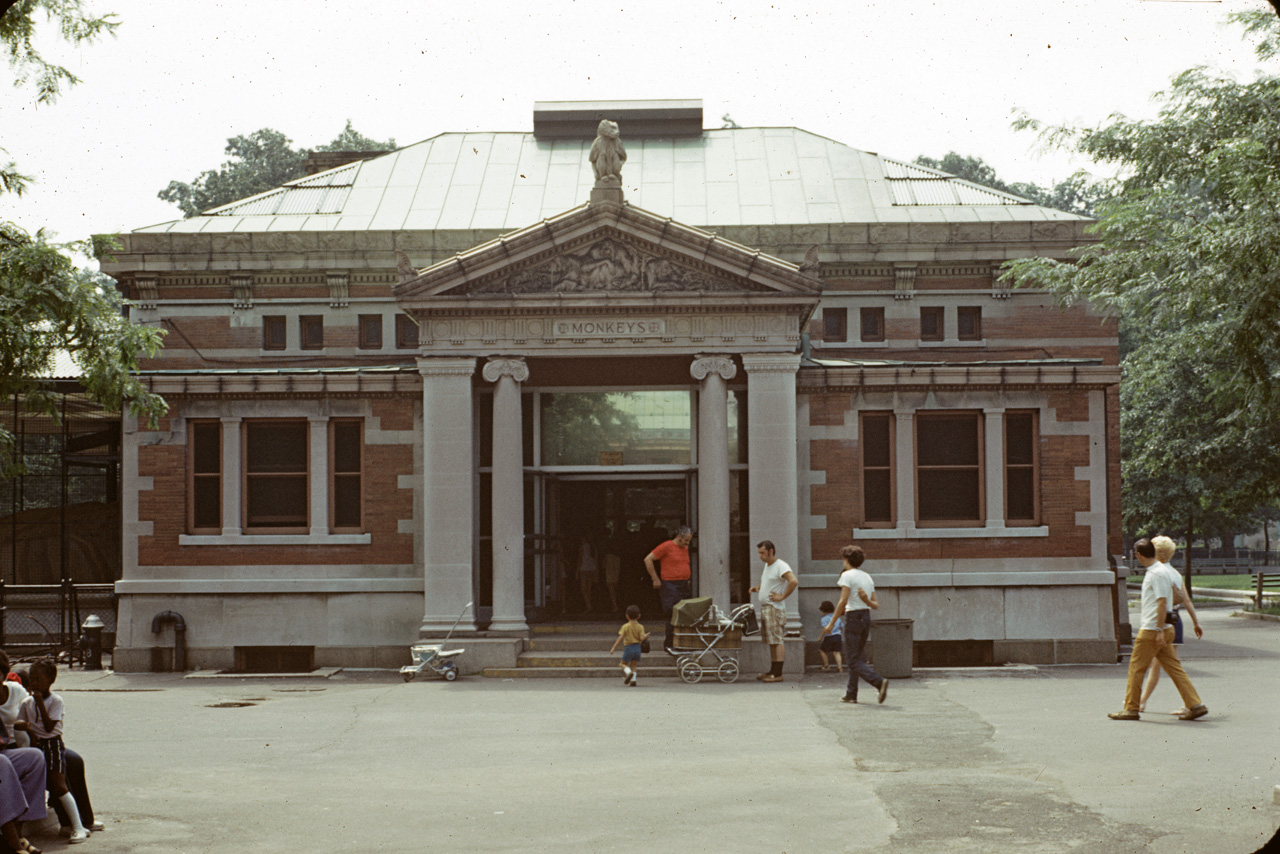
{"x":41,"y":716}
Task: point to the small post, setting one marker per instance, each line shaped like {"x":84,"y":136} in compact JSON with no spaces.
{"x":93,"y":627}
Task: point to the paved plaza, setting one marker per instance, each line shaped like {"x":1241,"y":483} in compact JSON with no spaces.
{"x":1022,"y":761}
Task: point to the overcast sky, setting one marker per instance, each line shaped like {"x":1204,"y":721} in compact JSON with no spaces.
{"x":902,"y":78}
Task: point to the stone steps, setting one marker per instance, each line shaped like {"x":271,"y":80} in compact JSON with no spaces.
{"x":581,"y":650}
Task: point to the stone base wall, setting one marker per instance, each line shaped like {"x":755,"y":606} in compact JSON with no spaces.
{"x":1059,"y":624}
{"x":346,"y":629}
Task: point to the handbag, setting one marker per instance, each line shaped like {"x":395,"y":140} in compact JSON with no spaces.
{"x":644,"y":645}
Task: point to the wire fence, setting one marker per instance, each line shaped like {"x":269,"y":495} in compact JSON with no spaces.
{"x":59,"y":523}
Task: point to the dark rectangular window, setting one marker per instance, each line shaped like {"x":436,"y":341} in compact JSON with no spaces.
{"x":931,"y":323}
{"x":275,"y":475}
{"x":311,"y":332}
{"x":204,"y":440}
{"x":370,"y":332}
{"x":345,"y":467}
{"x":835,"y":324}
{"x":406,"y":333}
{"x":273,"y":333}
{"x":1021,"y":476}
{"x":949,"y":468}
{"x":872,"y":324}
{"x":876,"y":438}
{"x":969,"y":323}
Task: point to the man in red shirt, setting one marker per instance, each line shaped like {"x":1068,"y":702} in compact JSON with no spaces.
{"x":675,"y":583}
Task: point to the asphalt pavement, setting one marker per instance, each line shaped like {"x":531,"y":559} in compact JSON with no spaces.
{"x":1018,"y":759}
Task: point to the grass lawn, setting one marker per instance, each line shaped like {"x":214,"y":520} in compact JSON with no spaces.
{"x":1222,"y":582}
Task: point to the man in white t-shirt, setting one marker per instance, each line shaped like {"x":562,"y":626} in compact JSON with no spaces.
{"x":1165,"y":549}
{"x":1154,"y":640}
{"x":777,"y":582}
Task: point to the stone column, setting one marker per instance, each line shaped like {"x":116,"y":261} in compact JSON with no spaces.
{"x":231,"y":474}
{"x":993,"y":455}
{"x":904,"y":462}
{"x":713,"y":475}
{"x":508,"y":494}
{"x":771,"y":456}
{"x":319,"y":468}
{"x":447,"y":471}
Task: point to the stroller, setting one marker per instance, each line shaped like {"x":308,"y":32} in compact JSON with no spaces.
{"x":707,"y":640}
{"x":434,"y":657}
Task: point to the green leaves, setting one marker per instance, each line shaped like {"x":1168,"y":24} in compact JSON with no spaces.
{"x":47,"y":305}
{"x":17,"y":31}
{"x":259,"y":162}
{"x":1187,"y":254}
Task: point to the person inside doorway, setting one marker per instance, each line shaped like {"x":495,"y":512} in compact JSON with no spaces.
{"x":612,"y":571}
{"x":777,"y":582}
{"x":588,"y":572}
{"x":675,"y":582}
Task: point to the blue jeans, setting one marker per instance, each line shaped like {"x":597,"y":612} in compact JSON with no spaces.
{"x":857,"y":625}
{"x":671,"y":593}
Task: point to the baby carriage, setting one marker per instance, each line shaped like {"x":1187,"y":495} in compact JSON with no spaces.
{"x":707,"y":640}
{"x":434,"y":657}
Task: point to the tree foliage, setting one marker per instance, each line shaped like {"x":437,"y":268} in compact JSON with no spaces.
{"x":259,"y":162}
{"x":47,"y":306}
{"x":1077,"y":194}
{"x":1187,"y":254}
{"x":1191,"y":465}
{"x":1191,"y":235}
{"x":18,"y":23}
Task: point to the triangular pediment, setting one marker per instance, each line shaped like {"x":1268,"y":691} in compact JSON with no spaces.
{"x":611,"y":263}
{"x":602,"y":250}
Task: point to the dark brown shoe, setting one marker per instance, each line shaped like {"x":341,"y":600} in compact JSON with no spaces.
{"x":1194,"y":712}
{"x":1126,"y":715}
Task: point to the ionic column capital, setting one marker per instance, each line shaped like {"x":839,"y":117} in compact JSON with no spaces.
{"x":496,"y":369}
{"x":705,"y":366}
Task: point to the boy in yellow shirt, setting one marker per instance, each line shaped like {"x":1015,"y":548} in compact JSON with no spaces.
{"x":631,"y":636}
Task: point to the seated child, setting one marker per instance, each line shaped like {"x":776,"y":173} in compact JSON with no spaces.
{"x":832,"y":642}
{"x":41,"y":716}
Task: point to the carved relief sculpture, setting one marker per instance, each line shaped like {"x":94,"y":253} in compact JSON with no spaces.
{"x":404,"y":267}
{"x":608,"y":155}
{"x":607,"y":265}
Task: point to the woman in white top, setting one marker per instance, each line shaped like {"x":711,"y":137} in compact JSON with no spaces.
{"x":857,"y":601}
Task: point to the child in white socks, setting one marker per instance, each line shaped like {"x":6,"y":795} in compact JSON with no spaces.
{"x":41,"y":716}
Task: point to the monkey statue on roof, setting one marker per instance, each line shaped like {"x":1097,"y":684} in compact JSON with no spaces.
{"x":608,"y":155}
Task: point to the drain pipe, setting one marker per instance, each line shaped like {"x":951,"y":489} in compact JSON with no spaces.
{"x":159,"y":621}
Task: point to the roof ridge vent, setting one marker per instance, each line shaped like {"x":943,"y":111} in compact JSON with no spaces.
{"x":636,"y":119}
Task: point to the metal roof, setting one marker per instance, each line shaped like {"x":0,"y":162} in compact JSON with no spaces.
{"x":725,"y":177}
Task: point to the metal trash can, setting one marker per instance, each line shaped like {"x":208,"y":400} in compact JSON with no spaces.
{"x":889,"y":647}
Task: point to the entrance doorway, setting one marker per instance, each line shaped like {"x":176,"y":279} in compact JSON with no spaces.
{"x":590,"y":518}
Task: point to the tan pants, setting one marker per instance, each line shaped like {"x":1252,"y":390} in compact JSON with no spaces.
{"x":1144,"y":650}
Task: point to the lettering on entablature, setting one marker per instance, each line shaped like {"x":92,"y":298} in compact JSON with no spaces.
{"x":609,"y":265}
{"x":595,"y":328}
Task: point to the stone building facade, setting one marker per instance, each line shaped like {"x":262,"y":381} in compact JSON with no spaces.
{"x":420,"y":380}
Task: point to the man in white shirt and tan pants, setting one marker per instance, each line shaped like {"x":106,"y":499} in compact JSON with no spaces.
{"x":1155,"y":640}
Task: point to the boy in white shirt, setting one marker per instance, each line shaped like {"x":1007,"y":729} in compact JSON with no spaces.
{"x":41,"y":716}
